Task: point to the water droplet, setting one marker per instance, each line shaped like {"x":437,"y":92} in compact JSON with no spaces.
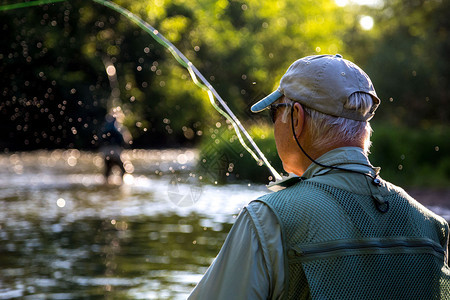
{"x":61,"y":202}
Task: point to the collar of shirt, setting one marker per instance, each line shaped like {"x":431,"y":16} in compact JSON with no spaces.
{"x":346,"y":157}
{"x":352,"y":158}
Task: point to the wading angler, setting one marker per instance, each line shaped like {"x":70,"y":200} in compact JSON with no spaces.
{"x":334,"y":229}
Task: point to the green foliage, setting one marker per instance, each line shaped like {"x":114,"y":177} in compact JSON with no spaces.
{"x":241,"y":47}
{"x":224,"y":160}
{"x":412,"y":157}
{"x":407,"y":157}
{"x":406,"y":55}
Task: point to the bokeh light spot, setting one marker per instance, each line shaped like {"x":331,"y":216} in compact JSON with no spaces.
{"x":366,"y":22}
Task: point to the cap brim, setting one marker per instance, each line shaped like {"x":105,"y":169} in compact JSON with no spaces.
{"x":262,"y":104}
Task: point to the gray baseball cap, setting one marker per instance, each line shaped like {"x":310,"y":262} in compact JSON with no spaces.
{"x":324,"y":83}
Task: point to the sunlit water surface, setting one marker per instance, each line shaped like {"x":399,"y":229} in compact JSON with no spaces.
{"x":64,"y":234}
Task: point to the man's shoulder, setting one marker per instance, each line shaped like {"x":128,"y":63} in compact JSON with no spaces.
{"x":302,"y":192}
{"x":300,"y":184}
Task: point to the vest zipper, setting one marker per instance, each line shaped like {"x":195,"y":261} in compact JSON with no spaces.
{"x":325,"y":248}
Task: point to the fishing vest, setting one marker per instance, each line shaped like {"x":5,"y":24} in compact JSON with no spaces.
{"x":339,"y":245}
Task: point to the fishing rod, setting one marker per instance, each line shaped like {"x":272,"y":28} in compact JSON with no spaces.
{"x":180,"y":58}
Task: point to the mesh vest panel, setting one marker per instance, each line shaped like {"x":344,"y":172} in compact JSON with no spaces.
{"x":339,"y":246}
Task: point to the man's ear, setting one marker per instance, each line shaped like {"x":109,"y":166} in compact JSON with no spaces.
{"x":299,"y":119}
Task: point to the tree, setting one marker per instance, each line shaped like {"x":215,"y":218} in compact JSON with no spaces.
{"x":407,"y":57}
{"x":241,"y":47}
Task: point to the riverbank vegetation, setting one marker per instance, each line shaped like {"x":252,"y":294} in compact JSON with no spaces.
{"x":410,"y":158}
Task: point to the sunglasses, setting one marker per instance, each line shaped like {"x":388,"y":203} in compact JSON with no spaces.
{"x":273,"y":109}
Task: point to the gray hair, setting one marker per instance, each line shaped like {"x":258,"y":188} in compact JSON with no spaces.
{"x":325,"y":129}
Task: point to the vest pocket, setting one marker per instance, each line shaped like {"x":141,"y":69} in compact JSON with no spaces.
{"x":372,"y":268}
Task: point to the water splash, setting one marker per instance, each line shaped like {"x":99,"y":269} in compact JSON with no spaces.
{"x":195,"y":74}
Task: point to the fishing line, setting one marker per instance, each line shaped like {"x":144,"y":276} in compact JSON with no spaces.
{"x":182,"y":60}
{"x":28,"y":4}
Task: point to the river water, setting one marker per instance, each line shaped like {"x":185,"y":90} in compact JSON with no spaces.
{"x":65,"y":234}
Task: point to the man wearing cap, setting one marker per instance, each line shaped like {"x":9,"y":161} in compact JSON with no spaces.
{"x":333,"y":229}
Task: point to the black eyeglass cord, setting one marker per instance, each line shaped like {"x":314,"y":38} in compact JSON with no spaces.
{"x":375,"y":180}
